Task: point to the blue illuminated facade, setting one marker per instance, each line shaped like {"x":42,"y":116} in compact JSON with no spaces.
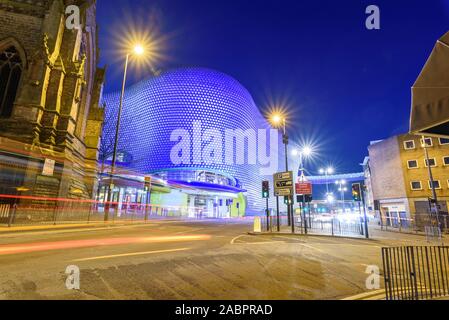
{"x":188,"y":101}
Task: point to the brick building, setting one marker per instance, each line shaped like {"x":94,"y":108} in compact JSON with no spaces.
{"x":399,"y":175}
{"x":50,"y":88}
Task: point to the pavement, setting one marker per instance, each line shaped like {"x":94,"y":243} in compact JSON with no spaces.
{"x":190,"y":260}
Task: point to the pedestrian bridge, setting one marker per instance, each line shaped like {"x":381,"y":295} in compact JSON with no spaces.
{"x":348,"y":177}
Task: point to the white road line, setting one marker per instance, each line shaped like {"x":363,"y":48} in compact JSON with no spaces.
{"x":238,"y":237}
{"x":371,"y":295}
{"x":130,"y":254}
{"x":260,"y":242}
{"x":189,"y":231}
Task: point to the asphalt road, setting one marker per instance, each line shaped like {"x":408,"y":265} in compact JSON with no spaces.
{"x":187,"y":260}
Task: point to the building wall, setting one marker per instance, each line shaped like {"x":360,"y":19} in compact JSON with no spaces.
{"x":391,"y":176}
{"x":56,"y":111}
{"x":440,"y":171}
{"x":386,"y":174}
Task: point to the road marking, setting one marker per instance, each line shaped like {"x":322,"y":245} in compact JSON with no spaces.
{"x":188,"y":231}
{"x":371,"y":295}
{"x":260,"y":242}
{"x":289,"y":238}
{"x":130,"y":254}
{"x":238,"y":237}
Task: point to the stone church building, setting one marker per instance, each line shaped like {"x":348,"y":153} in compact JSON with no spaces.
{"x":50,"y":90}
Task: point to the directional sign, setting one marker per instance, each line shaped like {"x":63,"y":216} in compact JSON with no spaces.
{"x":283,"y":184}
{"x":283,"y":192}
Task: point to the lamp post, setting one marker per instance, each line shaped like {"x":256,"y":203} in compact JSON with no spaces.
{"x":305,"y":151}
{"x":341,"y":187}
{"x":138,"y":51}
{"x":279,"y":121}
{"x":432,"y":184}
{"x":328,"y":171}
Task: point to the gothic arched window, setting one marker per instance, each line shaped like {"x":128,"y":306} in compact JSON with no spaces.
{"x":10,"y":72}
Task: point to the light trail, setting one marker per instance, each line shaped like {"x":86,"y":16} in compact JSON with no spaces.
{"x":72,"y":244}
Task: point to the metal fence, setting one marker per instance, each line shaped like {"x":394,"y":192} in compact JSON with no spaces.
{"x":315,"y":225}
{"x":418,"y":223}
{"x":416,"y":273}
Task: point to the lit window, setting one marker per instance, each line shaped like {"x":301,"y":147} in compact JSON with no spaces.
{"x":444,"y":141}
{"x":428,"y":142}
{"x":416,"y":185}
{"x":408,"y":145}
{"x":431,"y":161}
{"x":436,"y":184}
{"x":446,"y":161}
{"x":412,"y":164}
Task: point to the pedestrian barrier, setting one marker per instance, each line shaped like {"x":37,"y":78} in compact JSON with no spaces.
{"x":4,"y":213}
{"x":416,"y":273}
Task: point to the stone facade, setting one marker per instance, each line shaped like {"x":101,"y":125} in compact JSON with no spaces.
{"x":56,"y":113}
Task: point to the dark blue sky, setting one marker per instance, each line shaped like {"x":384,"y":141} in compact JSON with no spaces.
{"x":344,"y":85}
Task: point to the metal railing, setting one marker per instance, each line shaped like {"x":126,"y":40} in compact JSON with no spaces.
{"x":418,"y":223}
{"x":315,"y":225}
{"x":416,"y":273}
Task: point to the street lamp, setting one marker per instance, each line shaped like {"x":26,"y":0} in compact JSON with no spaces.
{"x":138,"y":50}
{"x":328,"y":171}
{"x":278,"y":121}
{"x":341,"y":187}
{"x":304,"y":152}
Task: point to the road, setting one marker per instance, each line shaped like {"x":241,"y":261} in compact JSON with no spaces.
{"x":186,"y":260}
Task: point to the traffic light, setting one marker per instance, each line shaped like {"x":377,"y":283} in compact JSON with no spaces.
{"x":286,"y":200}
{"x":265,"y":189}
{"x":147,"y":186}
{"x":357,"y":192}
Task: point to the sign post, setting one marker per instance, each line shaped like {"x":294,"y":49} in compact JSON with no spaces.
{"x":283,"y":187}
{"x":304,"y":190}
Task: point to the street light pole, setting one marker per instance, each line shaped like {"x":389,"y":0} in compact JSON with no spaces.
{"x":117,"y":131}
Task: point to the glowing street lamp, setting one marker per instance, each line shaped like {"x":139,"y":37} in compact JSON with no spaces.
{"x":304,"y":152}
{"x":326,"y":172}
{"x":278,"y":120}
{"x":137,"y":50}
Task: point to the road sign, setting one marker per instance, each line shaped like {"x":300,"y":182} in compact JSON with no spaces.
{"x":304,"y":188}
{"x":283,"y":184}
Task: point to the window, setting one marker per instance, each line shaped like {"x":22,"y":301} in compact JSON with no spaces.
{"x":436,"y":184}
{"x":416,"y":185}
{"x":412,"y":164}
{"x":446,"y":161}
{"x":432,"y":161}
{"x":444,"y":141}
{"x":427,"y":141}
{"x":10,"y":72}
{"x":410,"y":144}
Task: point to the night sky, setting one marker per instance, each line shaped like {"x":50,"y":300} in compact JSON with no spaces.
{"x":344,"y":85}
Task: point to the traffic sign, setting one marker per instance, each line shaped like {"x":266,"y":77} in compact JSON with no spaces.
{"x":304,"y":188}
{"x":283,"y":184}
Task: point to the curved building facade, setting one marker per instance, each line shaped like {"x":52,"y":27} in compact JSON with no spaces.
{"x":201,"y":132}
